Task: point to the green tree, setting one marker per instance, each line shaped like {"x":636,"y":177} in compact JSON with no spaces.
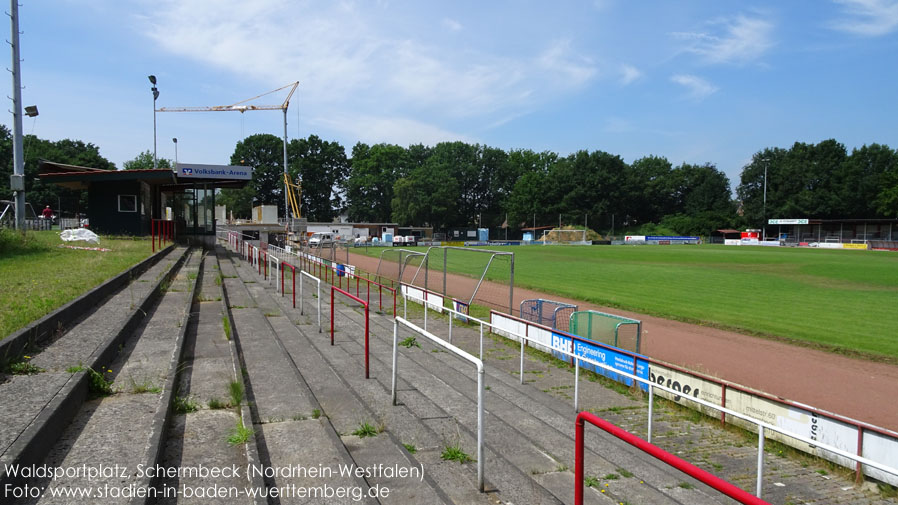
{"x":426,"y":197}
{"x":265,"y":154}
{"x":238,"y":201}
{"x":37,"y":192}
{"x":322,"y":168}
{"x":373,"y":173}
{"x":144,"y":161}
{"x":862,"y":179}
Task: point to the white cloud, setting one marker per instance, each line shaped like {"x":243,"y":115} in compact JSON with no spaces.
{"x":739,"y":40}
{"x":560,"y":61}
{"x":699,"y":89}
{"x":870,"y":18}
{"x":452,"y":25}
{"x":394,"y":130}
{"x":351,"y":60}
{"x":629,"y":73}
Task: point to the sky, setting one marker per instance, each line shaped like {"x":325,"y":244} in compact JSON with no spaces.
{"x":703,"y":81}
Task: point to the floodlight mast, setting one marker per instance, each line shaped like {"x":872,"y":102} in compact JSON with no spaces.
{"x":242,"y":107}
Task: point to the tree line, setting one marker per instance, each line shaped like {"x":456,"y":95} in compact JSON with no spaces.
{"x":461,"y":185}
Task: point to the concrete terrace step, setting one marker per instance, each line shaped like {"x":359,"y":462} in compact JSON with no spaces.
{"x":436,"y":432}
{"x":288,"y":433}
{"x":346,"y":411}
{"x":125,"y":429}
{"x":47,"y":401}
{"x":535,"y":459}
{"x":199,"y":438}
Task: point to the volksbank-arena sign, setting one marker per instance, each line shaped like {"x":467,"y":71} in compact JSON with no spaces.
{"x":195,"y":171}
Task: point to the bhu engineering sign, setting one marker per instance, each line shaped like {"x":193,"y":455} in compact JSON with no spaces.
{"x":195,"y":171}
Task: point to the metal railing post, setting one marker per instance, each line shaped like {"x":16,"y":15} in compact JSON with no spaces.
{"x":522,"y":361}
{"x":366,"y":342}
{"x":651,"y":405}
{"x":450,"y":328}
{"x":480,"y":427}
{"x":481,"y":341}
{"x":760,"y":460}
{"x":318,"y":293}
{"x":332,"y":316}
{"x":395,"y":353}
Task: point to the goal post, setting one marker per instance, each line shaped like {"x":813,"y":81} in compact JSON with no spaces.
{"x":565,"y":236}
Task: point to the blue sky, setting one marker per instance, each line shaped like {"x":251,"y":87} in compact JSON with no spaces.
{"x":700,"y":81}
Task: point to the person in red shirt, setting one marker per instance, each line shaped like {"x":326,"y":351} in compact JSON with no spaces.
{"x":47,"y":213}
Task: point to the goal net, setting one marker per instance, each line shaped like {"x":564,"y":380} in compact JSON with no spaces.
{"x":569,"y":237}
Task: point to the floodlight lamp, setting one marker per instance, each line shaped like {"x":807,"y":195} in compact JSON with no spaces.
{"x":31,"y":111}
{"x":152,"y":79}
{"x":175,"y":140}
{"x":155,"y":94}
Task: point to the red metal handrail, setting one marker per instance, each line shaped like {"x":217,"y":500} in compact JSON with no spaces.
{"x":365,"y":304}
{"x":163,"y":229}
{"x":712,"y":480}
{"x":293,"y":268}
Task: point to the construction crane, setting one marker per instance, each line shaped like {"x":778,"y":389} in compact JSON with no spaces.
{"x":242,"y":106}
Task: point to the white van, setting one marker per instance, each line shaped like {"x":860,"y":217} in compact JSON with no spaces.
{"x":321,"y":238}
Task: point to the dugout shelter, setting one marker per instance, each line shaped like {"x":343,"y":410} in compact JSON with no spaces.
{"x":125,"y":202}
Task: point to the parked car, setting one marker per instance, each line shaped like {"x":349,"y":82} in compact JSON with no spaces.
{"x":321,"y":239}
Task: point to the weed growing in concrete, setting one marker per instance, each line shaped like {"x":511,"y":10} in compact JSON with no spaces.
{"x":624,"y":472}
{"x":685,"y":485}
{"x":298,"y":417}
{"x":218,"y":280}
{"x":98,"y":385}
{"x":75,"y":369}
{"x":184,"y":405}
{"x":410,"y":342}
{"x":316,"y":413}
{"x":591,"y":481}
{"x":216,"y":404}
{"x":240,"y":434}
{"x":410,"y":448}
{"x":226,"y":323}
{"x":235,"y":389}
{"x":455,"y":453}
{"x":24,"y":367}
{"x":611,"y":476}
{"x":142,"y":387}
{"x":365,"y":430}
{"x":887,"y":490}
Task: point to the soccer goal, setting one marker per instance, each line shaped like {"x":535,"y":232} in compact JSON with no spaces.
{"x":569,"y":237}
{"x":548,"y":313}
{"x":619,"y":331}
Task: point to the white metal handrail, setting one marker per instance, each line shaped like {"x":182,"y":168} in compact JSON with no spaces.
{"x":303,"y":273}
{"x":762,"y":426}
{"x":277,"y":268}
{"x":459,"y":352}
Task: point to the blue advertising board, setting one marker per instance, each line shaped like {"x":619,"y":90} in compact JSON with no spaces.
{"x":605,"y":355}
{"x":672,"y":239}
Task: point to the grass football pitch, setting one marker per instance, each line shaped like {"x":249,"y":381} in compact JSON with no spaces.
{"x":843,"y":300}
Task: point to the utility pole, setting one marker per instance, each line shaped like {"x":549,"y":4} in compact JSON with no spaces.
{"x":764,"y":222}
{"x":17,"y":181}
{"x":286,"y":202}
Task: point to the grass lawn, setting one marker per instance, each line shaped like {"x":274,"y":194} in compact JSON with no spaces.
{"x":843,"y":300}
{"x":37,"y":277}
